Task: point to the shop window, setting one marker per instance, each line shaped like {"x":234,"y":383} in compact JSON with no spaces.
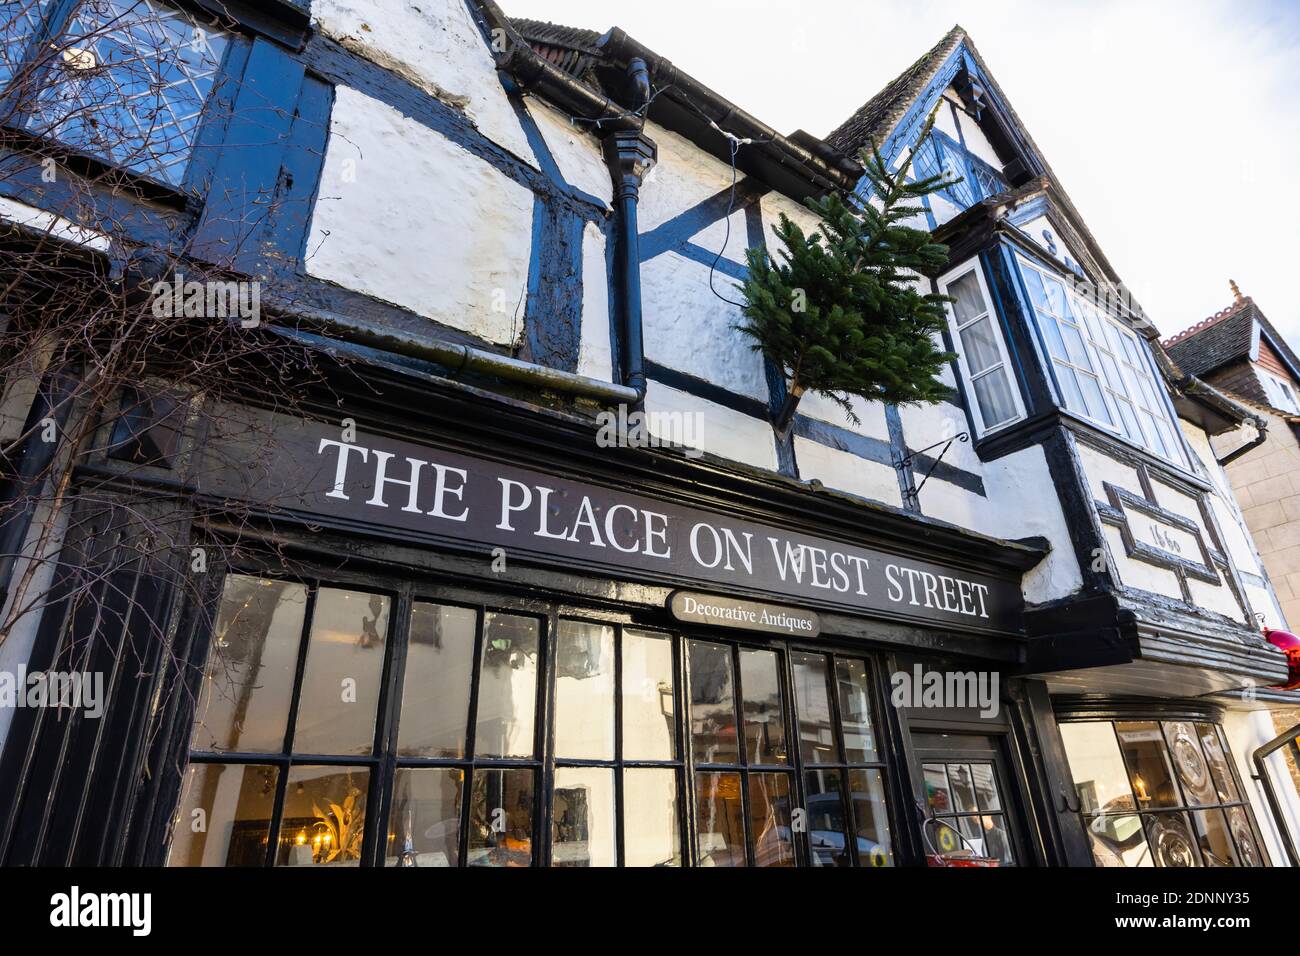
{"x":1160,"y":793}
{"x":283,"y":743}
{"x":965,"y":804}
{"x":125,"y":80}
{"x":982,"y":357}
{"x":1104,"y":371}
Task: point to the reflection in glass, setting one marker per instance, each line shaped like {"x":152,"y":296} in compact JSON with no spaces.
{"x":584,"y":691}
{"x":507,"y":691}
{"x":827,"y":833}
{"x":324,"y":819}
{"x":1212,"y":835}
{"x":1149,"y":769}
{"x":855,"y":711}
{"x":248,"y":681}
{"x":439,"y":674}
{"x":813,"y":708}
{"x":501,"y":818}
{"x":995,"y":841}
{"x":719,"y":820}
{"x":1170,"y":840}
{"x":424,"y":823}
{"x":1189,"y":761}
{"x":1247,"y":850}
{"x":937,"y":795}
{"x":1118,"y":841}
{"x":769,"y":819}
{"x":760,"y":682}
{"x":986,"y":786}
{"x":1097,"y":767}
{"x":651,"y":836}
{"x":963,"y":788}
{"x":648,"y":713}
{"x":1223,"y":782}
{"x":713,"y":708}
{"x":582,"y":817}
{"x":237,"y":803}
{"x":341,"y":679}
{"x":871,"y":821}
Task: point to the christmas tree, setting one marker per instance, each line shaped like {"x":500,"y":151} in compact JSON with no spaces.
{"x":841,"y":314}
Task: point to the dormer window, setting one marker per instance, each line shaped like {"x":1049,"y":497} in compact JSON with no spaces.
{"x":1103,"y":370}
{"x":1281,"y":394}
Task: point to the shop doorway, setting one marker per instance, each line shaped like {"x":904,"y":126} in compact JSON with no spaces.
{"x":967,"y":800}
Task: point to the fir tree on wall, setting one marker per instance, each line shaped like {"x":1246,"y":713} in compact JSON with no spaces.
{"x":840,"y":315}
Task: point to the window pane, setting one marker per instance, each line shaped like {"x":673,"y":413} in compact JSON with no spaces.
{"x":501,"y":818}
{"x":1212,"y":836}
{"x":1070,"y":393}
{"x":584,"y":691}
{"x":986,"y":786}
{"x":582,"y":817}
{"x":987,"y":836}
{"x":1189,"y":761}
{"x":713,"y":707}
{"x":813,"y":709}
{"x":980,"y":346}
{"x":225,"y":816}
{"x":439,"y":673}
{"x":1149,"y":770}
{"x":963,"y":788}
{"x":649,"y":723}
{"x":760,"y":681}
{"x":131,"y":84}
{"x":970,"y":302}
{"x":993,"y":393}
{"x":651,"y":836}
{"x":827,"y":834}
{"x":1098,"y":769}
{"x":1247,"y":850}
{"x":19,"y":26}
{"x":870,"y":818}
{"x":248,"y":681}
{"x":1052,"y":333}
{"x":719,"y":820}
{"x":424,"y":823}
{"x":507,"y":690}
{"x":769,"y":819}
{"x":324,"y":818}
{"x":1092,"y":395}
{"x":1118,"y":841}
{"x":1223,"y":782}
{"x":341,"y":680}
{"x":1170,"y":840}
{"x":855,"y":712}
{"x":1037,"y":294}
{"x":938,"y":795}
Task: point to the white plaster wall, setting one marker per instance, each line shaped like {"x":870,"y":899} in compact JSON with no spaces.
{"x":723,"y":432}
{"x":685,"y":325}
{"x":942,"y":209}
{"x":1247,"y":731}
{"x":923,"y":425}
{"x":1009,"y":512}
{"x":434,"y":44}
{"x":576,"y":152}
{"x":455,"y":250}
{"x":871,"y":415}
{"x":1139,"y":574}
{"x":594,"y":356}
{"x":1099,"y":468}
{"x":844,"y":471}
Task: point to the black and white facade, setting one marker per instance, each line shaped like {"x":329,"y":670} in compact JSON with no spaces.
{"x":466,"y":627}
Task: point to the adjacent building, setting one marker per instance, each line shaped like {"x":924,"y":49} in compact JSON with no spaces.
{"x":528,"y":575}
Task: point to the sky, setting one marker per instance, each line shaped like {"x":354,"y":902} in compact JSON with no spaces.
{"x":1174,"y":125}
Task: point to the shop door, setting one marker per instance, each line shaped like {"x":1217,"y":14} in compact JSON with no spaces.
{"x":968,"y":801}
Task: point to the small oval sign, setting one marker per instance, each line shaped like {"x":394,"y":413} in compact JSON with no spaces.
{"x":716,"y":610}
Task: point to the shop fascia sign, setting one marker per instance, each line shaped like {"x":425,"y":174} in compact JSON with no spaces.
{"x":426,"y":493}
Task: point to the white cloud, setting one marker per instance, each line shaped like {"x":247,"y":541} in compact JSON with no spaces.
{"x":1172,"y":126}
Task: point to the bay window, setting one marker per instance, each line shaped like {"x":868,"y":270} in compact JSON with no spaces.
{"x":1103,"y":370}
{"x":982,"y":359}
